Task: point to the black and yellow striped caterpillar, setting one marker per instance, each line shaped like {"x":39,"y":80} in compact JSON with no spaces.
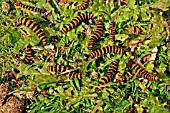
{"x":41,"y":11}
{"x":107,"y":49}
{"x":29,"y":55}
{"x":113,"y":31}
{"x":96,"y":35}
{"x":83,"y":5}
{"x":142,"y":72}
{"x":76,"y":21}
{"x":110,"y":75}
{"x":60,"y":69}
{"x":33,"y":26}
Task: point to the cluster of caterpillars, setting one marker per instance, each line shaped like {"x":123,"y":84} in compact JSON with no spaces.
{"x":83,"y":17}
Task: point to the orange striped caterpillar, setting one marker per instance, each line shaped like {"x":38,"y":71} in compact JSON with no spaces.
{"x":29,"y":55}
{"x":113,"y":31}
{"x":76,"y":21}
{"x":41,"y":11}
{"x":60,"y":68}
{"x":83,"y":5}
{"x":142,"y":72}
{"x":107,"y":49}
{"x":96,"y":35}
{"x":33,"y":26}
{"x":110,"y":75}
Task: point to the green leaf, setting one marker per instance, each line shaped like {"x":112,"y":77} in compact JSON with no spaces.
{"x":162,"y":67}
{"x":131,"y":4}
{"x":150,"y":67}
{"x":125,"y":103}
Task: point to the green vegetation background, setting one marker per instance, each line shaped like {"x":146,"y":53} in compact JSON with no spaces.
{"x":61,"y":94}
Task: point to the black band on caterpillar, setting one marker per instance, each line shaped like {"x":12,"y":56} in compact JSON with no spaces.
{"x":113,"y":31}
{"x":41,"y":11}
{"x":61,"y":68}
{"x":142,"y":72}
{"x":96,"y":35}
{"x":29,"y":55}
{"x":33,"y":26}
{"x":110,"y":75}
{"x":83,"y":5}
{"x":107,"y":49}
{"x":76,"y":21}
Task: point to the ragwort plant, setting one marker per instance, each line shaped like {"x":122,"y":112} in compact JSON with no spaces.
{"x":53,"y":92}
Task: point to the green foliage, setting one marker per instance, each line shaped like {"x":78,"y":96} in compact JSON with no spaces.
{"x":71,"y":95}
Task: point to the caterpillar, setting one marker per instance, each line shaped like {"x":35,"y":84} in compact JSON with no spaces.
{"x":113,"y":31}
{"x":96,"y":35}
{"x":142,"y":72}
{"x":33,"y":26}
{"x":29,"y":55}
{"x":107,"y":49}
{"x":60,"y":68}
{"x":110,"y":75}
{"x":83,"y":5}
{"x":76,"y":21}
{"x":41,"y":11}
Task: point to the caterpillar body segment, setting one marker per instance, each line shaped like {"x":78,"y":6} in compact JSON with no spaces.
{"x":76,"y":21}
{"x":113,"y":31}
{"x":142,"y":72}
{"x":96,"y":35}
{"x":61,"y":69}
{"x":34,"y":9}
{"x":110,"y":75}
{"x":74,"y":74}
{"x":113,"y":67}
{"x":58,"y":68}
{"x":105,"y":79}
{"x":83,"y":5}
{"x":107,"y":49}
{"x":34,"y":27}
{"x":29,"y":55}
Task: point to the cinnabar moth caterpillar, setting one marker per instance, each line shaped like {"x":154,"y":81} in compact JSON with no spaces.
{"x":76,"y":21}
{"x":110,"y":75}
{"x":60,"y":69}
{"x":33,"y":26}
{"x":142,"y":72}
{"x":41,"y":11}
{"x":83,"y":5}
{"x":96,"y":35}
{"x":107,"y":49}
{"x":113,"y":31}
{"x":29,"y":55}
